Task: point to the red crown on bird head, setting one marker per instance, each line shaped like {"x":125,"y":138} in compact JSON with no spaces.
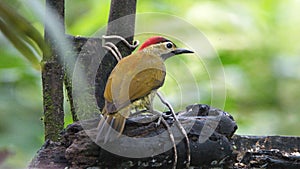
{"x":153,"y":40}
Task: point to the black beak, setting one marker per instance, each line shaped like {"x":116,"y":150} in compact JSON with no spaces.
{"x":180,"y":51}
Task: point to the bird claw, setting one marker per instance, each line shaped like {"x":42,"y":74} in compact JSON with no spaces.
{"x":167,"y":116}
{"x":163,"y":116}
{"x":158,"y":122}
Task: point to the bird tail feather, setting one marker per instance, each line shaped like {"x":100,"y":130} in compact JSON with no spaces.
{"x":110,"y":127}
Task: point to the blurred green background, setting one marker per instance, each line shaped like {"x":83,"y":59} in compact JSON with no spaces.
{"x":257,"y":42}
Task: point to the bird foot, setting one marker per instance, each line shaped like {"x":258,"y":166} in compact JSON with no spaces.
{"x":163,"y":116}
{"x":158,"y":121}
{"x":167,"y":116}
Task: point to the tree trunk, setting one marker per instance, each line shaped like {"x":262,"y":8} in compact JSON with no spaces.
{"x":121,"y":22}
{"x":52,"y":75}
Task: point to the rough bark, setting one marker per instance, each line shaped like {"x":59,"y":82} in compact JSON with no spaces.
{"x":77,"y":149}
{"x":52,"y":76}
{"x":266,"y":152}
{"x":222,"y":149}
{"x":79,"y":46}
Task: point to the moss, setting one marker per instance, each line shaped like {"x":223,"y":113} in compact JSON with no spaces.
{"x":53,"y":99}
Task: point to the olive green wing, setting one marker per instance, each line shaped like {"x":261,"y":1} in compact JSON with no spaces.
{"x":146,"y":81}
{"x":134,"y":77}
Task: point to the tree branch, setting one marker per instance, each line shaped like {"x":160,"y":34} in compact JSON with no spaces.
{"x":52,"y":76}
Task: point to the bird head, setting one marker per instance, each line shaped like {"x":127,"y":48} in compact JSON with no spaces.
{"x":162,"y":47}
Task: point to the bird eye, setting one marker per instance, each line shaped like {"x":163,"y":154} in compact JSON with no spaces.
{"x":169,"y":45}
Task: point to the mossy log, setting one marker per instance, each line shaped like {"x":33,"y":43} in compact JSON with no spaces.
{"x":78,"y":150}
{"x":222,"y":149}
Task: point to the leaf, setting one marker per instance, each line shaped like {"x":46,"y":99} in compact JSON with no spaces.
{"x":25,"y":37}
{"x":13,"y":37}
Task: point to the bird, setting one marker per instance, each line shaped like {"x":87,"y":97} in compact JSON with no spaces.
{"x":133,"y":83}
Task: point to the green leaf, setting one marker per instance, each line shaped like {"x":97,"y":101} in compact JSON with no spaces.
{"x":20,"y":44}
{"x":25,"y":37}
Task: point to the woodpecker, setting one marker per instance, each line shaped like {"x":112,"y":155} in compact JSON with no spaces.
{"x":133,"y":83}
